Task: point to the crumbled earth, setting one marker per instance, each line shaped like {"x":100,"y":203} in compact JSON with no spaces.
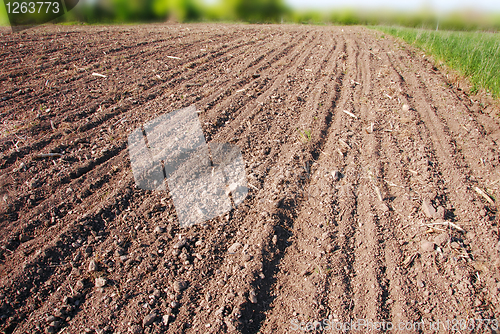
{"x":362,"y":160}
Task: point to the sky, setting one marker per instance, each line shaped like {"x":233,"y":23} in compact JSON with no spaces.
{"x":438,"y":5}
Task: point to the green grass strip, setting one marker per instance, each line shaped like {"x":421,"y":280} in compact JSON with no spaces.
{"x":476,"y":55}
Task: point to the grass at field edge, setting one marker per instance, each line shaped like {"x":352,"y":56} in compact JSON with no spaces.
{"x":475,"y":55}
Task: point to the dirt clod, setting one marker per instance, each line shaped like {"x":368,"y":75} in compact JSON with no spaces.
{"x":100,"y":282}
{"x":428,"y":209}
{"x":149,"y":319}
{"x":135,"y":329}
{"x":234,"y":248}
{"x":180,"y":285}
{"x":92,"y":266}
{"x":336,"y":175}
{"x":427,"y":246}
{"x":441,"y":239}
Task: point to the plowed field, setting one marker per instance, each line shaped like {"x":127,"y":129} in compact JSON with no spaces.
{"x":371,"y":180}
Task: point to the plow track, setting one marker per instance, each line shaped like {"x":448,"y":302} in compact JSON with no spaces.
{"x":345,"y":135}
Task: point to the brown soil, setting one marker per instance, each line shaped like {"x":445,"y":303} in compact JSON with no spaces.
{"x":305,"y":246}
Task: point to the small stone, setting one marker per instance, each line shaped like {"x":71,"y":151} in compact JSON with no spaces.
{"x":51,"y":318}
{"x":158,"y":229}
{"x":420,"y":283}
{"x":181,"y":243}
{"x":92,"y":266}
{"x":59,"y":313}
{"x":180,"y":285}
{"x":149,"y":319}
{"x":120,"y":251}
{"x":165,"y":319}
{"x":55,"y":324}
{"x":405,"y":108}
{"x":439,"y":213}
{"x":477,"y":303}
{"x":247,"y":257}
{"x":80,"y":284}
{"x":155,"y":207}
{"x":275,"y":239}
{"x":100,"y":282}
{"x":384,"y":207}
{"x":427,"y":246}
{"x":455,"y":245}
{"x":441,"y":239}
{"x":183,"y":257}
{"x":428,"y":209}
{"x":174,"y":304}
{"x":336,"y":175}
{"x":234,"y":248}
{"x":51,"y":329}
{"x":35,"y":183}
{"x":135,"y":329}
{"x":252,"y":296}
{"x":231,"y":188}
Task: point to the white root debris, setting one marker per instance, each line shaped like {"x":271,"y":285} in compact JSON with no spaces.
{"x":445,"y":223}
{"x":252,"y":186}
{"x":344,"y":143}
{"x":173,"y":57}
{"x":99,"y":75}
{"x":379,"y":194}
{"x":351,"y":114}
{"x":484,"y":195}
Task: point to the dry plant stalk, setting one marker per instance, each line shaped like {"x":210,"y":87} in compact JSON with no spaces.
{"x":484,"y":195}
{"x":351,"y":114}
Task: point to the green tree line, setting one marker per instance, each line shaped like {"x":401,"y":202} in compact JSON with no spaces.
{"x":254,"y":11}
{"x":275,"y":11}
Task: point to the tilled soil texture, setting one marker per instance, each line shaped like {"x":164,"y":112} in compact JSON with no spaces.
{"x":371,"y":184}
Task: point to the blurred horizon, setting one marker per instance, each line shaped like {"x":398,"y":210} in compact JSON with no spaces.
{"x":446,"y":14}
{"x":442,"y":6}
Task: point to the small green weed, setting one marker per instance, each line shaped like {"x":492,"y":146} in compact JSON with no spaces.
{"x":305,"y":135}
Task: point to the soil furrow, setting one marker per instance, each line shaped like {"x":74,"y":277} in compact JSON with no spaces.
{"x":462,"y":268}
